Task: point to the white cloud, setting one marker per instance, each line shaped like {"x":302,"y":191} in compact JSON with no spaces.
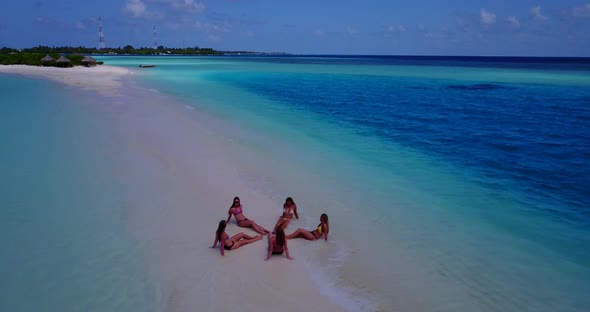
{"x":136,"y":8}
{"x":351,"y":30}
{"x":397,"y":29}
{"x":487,"y":18}
{"x":421,"y":27}
{"x":319,"y":33}
{"x":162,"y":8}
{"x":513,"y":21}
{"x":185,"y":5}
{"x":80,"y":25}
{"x":536,"y":12}
{"x":583,"y":11}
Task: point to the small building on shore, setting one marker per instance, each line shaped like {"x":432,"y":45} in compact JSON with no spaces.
{"x":62,"y":61}
{"x":88,"y":61}
{"x":47,"y":60}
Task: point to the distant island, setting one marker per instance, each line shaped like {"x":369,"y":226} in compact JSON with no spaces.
{"x":34,"y":56}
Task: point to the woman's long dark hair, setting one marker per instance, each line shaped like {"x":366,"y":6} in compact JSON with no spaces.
{"x":288,"y":199}
{"x":280,"y":236}
{"x":233,"y":202}
{"x":220,"y":229}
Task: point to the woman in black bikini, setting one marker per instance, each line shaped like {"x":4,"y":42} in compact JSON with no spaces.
{"x":237,"y":212}
{"x":289,"y":210}
{"x":277,"y":244}
{"x":322,"y":229}
{"x":234,"y":242}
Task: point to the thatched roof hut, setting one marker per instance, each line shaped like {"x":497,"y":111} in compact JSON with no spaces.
{"x":62,"y":61}
{"x":88,"y":61}
{"x":48,"y":58}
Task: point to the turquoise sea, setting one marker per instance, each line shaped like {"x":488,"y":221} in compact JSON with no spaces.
{"x":452,"y":184}
{"x":63,"y":230}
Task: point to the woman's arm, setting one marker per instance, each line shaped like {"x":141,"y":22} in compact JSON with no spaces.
{"x":269,"y":248}
{"x":295,"y":211}
{"x":325,"y":229}
{"x":287,"y":251}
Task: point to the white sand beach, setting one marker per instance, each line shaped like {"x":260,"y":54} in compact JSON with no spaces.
{"x":178,"y":184}
{"x":103,"y":78}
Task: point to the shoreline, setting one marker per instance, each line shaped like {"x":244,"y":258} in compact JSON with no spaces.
{"x":104,"y":79}
{"x":177,"y":186}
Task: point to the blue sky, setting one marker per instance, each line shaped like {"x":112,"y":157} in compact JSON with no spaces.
{"x":416,"y":27}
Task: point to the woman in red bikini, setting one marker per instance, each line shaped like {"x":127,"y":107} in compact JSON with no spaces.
{"x":322,"y":229}
{"x":289,"y":210}
{"x":277,"y":244}
{"x":234,"y":242}
{"x":236,"y":211}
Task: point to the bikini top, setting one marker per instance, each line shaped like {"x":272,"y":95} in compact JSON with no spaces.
{"x":226,"y":237}
{"x":237,"y":211}
{"x":320,"y":228}
{"x":287,"y":210}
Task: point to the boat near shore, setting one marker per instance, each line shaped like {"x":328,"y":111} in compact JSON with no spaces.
{"x":146,"y":66}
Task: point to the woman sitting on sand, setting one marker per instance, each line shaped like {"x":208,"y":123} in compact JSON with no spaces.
{"x":277,"y":244}
{"x":234,"y":242}
{"x":289,"y":209}
{"x":322,"y":229}
{"x":237,"y":212}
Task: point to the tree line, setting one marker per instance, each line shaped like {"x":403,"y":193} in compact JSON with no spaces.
{"x":23,"y":58}
{"x":128,"y":49}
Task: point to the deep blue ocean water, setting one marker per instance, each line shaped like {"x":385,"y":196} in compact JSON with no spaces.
{"x":533,"y":134}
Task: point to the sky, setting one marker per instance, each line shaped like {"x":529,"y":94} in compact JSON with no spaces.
{"x":380,"y":27}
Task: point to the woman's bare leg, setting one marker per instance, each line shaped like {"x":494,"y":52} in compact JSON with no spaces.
{"x":282,"y":223}
{"x":245,"y":241}
{"x":260,"y":229}
{"x":301,"y":233}
{"x":279,"y":222}
{"x":251,"y":224}
{"x":239,"y":236}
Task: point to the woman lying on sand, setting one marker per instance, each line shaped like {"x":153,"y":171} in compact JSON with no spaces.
{"x":234,"y":242}
{"x":237,"y":212}
{"x":322,"y":229}
{"x":277,"y":244}
{"x":289,"y":209}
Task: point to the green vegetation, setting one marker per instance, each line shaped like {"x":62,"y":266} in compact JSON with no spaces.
{"x":162,"y":50}
{"x":33,"y":56}
{"x":124,"y":50}
{"x":23,"y":58}
{"x":26,"y":58}
{"x":128,"y":49}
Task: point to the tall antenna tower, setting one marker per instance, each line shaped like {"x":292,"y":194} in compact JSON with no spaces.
{"x":155,"y":39}
{"x":100,"y":35}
